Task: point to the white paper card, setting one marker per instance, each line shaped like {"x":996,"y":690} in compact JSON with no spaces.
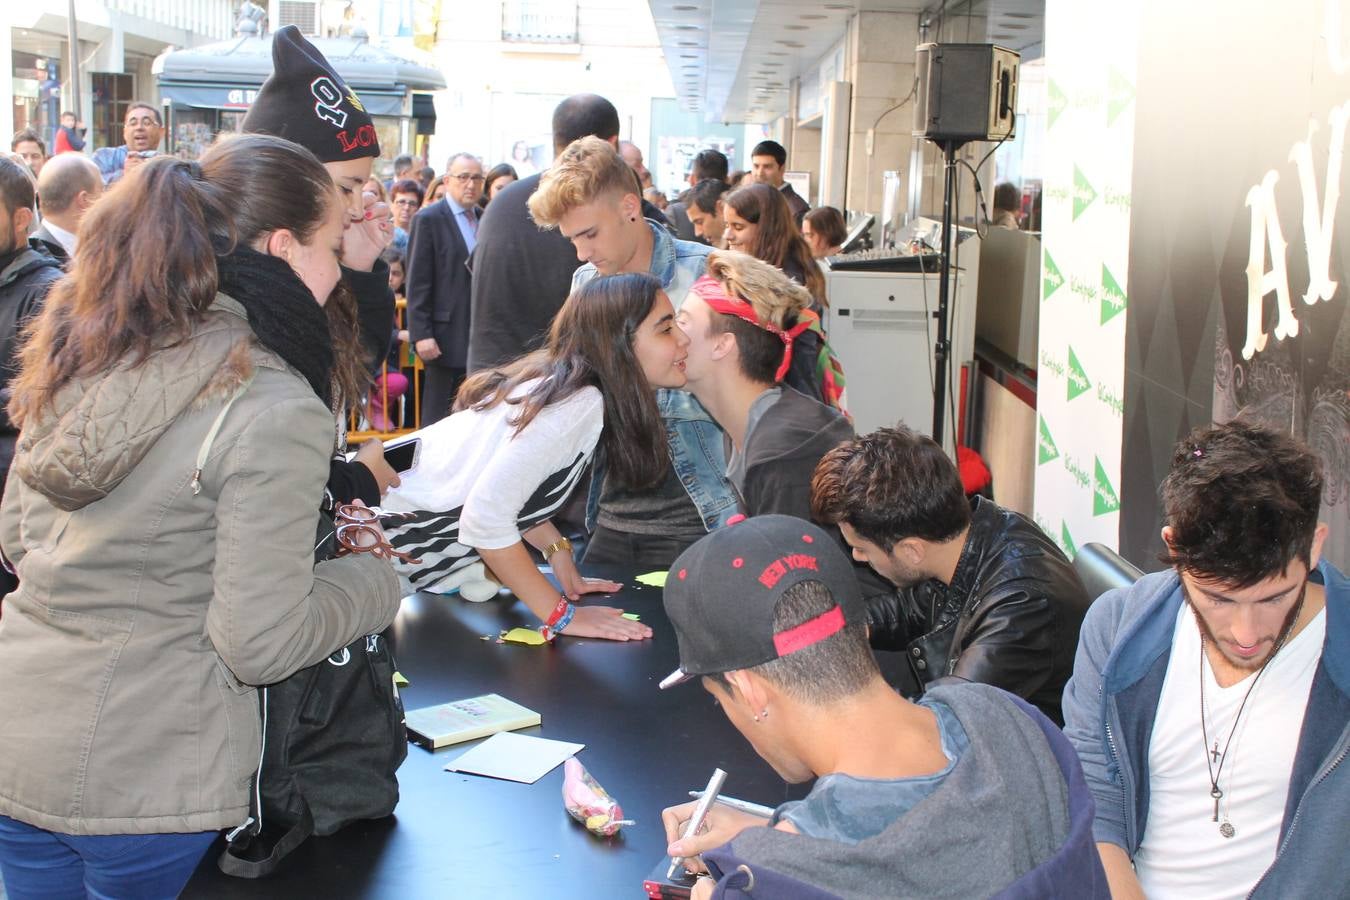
{"x":515,"y":757}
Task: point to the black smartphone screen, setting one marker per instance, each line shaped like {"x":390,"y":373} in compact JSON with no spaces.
{"x":402,"y":457}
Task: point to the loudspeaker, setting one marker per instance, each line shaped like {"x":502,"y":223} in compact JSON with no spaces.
{"x":966,"y":92}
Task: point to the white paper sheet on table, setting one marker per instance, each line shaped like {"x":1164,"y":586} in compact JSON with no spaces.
{"x":514,"y":757}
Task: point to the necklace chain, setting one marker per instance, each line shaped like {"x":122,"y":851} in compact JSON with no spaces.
{"x":1226,"y":829}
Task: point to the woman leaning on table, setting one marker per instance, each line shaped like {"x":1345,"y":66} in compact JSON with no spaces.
{"x":491,"y":475}
{"x":174,"y":405}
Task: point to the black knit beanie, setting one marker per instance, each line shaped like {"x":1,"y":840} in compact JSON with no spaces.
{"x":306,"y":101}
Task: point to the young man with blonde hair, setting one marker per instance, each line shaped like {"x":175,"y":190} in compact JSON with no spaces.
{"x":747,"y":323}
{"x":590,"y":196}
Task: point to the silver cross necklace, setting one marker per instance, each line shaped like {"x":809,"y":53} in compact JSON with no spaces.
{"x":1214,"y":755}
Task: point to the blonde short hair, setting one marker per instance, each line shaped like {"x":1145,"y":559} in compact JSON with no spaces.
{"x":776,"y":299}
{"x":588,"y":169}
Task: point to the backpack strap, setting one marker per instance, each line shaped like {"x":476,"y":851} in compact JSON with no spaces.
{"x":234,"y":861}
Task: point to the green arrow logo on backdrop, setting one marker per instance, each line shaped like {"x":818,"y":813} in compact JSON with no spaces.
{"x":1113,"y":298}
{"x":1052,"y":280}
{"x":1078,"y":380}
{"x":1046,"y":449}
{"x":1057,"y":102}
{"x":1104,"y":499}
{"x":1066,"y":540}
{"x":1083,"y":193}
{"x":1119,"y":95}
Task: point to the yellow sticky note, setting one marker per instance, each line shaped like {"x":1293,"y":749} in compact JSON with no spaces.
{"x":524,"y":636}
{"x":399,"y":680}
{"x":634,"y":616}
{"x":653,"y":579}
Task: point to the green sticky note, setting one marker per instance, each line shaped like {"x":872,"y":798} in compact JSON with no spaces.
{"x":653,"y":579}
{"x":633,"y":616}
{"x":399,"y":680}
{"x":524,"y":636}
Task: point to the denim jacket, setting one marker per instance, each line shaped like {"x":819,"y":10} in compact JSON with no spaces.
{"x":696,"y":444}
{"x":1112,"y":699}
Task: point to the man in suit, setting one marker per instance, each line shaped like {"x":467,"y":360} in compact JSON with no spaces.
{"x":69,"y":185}
{"x":441,"y":241}
{"x":767,"y":162}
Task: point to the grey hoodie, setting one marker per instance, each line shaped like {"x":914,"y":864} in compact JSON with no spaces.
{"x":1001,"y":812}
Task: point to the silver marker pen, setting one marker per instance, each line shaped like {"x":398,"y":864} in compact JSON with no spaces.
{"x":700,"y":813}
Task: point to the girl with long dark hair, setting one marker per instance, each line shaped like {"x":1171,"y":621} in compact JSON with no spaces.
{"x":174,"y":404}
{"x":759,"y":222}
{"x":491,"y":476}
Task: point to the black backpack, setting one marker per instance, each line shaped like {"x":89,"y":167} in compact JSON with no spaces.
{"x":333,"y":739}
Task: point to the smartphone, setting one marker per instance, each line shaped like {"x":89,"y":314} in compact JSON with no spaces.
{"x":659,"y":887}
{"x":403,"y":456}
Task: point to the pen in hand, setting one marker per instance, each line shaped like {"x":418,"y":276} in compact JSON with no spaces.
{"x":700,"y":814}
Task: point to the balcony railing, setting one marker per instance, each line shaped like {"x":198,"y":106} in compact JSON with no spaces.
{"x":207,"y":18}
{"x":540,"y":21}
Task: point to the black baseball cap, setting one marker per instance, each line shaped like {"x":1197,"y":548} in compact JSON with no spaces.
{"x":722,"y":592}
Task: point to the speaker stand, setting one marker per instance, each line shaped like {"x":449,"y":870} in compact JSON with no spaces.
{"x":943,"y":348}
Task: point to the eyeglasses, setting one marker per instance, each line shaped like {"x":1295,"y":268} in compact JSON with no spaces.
{"x":357,"y":533}
{"x":465,"y":178}
{"x":406,"y":202}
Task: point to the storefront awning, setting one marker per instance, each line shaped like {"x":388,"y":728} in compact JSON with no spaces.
{"x":220,"y":96}
{"x":227,"y":74}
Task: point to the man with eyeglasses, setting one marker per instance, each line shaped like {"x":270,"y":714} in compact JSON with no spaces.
{"x":441,"y":239}
{"x":405,"y":199}
{"x":141,"y":133}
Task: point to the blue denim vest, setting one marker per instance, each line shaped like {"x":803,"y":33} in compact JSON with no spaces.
{"x":697,"y":449}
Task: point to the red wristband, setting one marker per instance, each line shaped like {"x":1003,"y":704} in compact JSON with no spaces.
{"x":558,"y":611}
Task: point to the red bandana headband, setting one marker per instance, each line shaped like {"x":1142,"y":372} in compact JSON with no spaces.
{"x":716,"y":296}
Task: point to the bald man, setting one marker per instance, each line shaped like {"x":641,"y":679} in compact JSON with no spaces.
{"x":633,"y":156}
{"x":67,"y":188}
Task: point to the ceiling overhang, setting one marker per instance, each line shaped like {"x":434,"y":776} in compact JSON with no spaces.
{"x":735,"y":60}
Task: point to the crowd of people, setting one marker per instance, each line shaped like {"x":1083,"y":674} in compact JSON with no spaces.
{"x":184,"y":342}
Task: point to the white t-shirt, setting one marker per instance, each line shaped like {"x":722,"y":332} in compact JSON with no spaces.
{"x":477,"y":485}
{"x":1182,"y":853}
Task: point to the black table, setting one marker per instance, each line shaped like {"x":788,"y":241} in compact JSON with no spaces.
{"x":456,"y":835}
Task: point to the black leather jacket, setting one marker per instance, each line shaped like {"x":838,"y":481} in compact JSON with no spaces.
{"x":1010,"y":617}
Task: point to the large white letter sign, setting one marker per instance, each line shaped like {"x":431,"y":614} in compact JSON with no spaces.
{"x":1266,"y":228}
{"x":1317,"y":230}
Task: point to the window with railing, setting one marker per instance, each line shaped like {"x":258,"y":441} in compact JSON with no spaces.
{"x":540,"y":21}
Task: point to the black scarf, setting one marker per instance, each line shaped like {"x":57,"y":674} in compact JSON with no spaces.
{"x":283,"y":313}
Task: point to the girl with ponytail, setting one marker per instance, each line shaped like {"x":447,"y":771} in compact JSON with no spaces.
{"x":176,"y":430}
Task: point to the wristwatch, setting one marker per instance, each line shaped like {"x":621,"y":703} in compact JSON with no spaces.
{"x":559,"y":544}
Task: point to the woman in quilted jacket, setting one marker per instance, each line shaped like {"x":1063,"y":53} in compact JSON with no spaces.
{"x":161,"y":512}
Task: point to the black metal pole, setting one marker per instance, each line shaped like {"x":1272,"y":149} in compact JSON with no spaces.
{"x":943,"y":347}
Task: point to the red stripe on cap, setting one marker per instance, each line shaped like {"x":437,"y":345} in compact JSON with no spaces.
{"x":809,"y":632}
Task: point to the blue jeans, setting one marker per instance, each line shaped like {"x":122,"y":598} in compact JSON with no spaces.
{"x":36,"y":864}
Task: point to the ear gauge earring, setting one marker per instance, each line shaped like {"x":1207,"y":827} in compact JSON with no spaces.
{"x":632,"y":218}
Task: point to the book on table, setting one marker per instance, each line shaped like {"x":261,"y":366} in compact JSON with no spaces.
{"x":434,"y":727}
